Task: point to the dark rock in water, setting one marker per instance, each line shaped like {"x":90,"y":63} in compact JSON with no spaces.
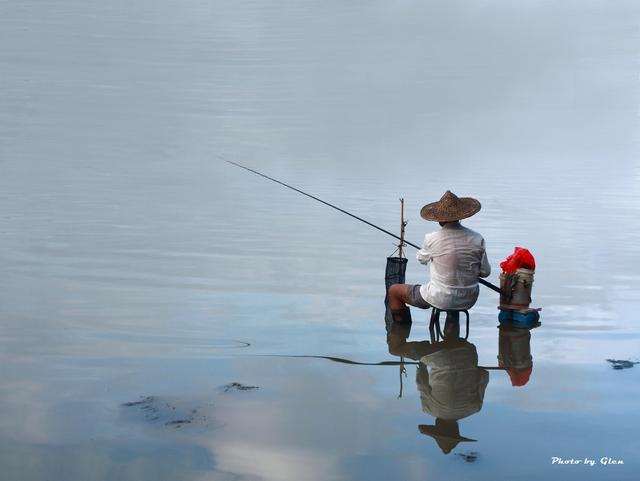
{"x":469,"y":457}
{"x":621,"y":363}
{"x":237,"y":386}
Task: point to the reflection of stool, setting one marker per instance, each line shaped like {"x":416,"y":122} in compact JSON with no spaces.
{"x":434,"y":325}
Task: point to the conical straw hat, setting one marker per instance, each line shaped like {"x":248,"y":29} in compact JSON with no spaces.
{"x":450,"y":208}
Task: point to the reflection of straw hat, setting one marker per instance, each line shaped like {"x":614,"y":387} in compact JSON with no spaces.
{"x":450,"y":207}
{"x":446,"y":433}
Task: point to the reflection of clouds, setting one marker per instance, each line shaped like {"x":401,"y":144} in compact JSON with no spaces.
{"x":322,"y":417}
{"x":260,"y":461}
{"x":100,"y":460}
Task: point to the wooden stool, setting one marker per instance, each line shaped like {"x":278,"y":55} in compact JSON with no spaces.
{"x":434,"y":325}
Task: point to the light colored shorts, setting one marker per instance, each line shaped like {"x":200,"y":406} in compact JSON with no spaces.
{"x":415,"y":298}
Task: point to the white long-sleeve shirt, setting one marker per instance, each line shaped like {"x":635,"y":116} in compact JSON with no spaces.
{"x":457,"y":255}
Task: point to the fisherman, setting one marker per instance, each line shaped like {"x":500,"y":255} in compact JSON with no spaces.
{"x":458,"y":258}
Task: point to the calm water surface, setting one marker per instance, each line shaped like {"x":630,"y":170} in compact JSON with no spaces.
{"x":138,"y":267}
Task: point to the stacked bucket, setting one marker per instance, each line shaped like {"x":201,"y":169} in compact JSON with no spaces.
{"x":516,"y":282}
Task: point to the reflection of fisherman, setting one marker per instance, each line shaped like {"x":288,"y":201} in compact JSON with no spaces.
{"x":457,"y":255}
{"x":514,"y":354}
{"x":452,"y":389}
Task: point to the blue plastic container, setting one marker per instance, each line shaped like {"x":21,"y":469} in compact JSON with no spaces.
{"x":520,"y":319}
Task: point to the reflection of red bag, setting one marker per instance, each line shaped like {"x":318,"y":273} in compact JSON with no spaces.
{"x":521,"y":258}
{"x":519,"y":377}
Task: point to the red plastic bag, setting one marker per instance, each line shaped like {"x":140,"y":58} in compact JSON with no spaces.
{"x":521,"y":258}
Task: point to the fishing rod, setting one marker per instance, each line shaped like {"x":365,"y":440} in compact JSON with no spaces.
{"x":481,"y":281}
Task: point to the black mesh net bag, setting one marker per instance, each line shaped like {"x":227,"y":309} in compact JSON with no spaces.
{"x":393,"y":274}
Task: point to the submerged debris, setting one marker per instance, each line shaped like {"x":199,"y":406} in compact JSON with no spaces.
{"x":168,"y":414}
{"x":621,"y":363}
{"x":469,"y":457}
{"x":148,"y":405}
{"x":145,"y":400}
{"x":237,"y":386}
{"x":178,"y":422}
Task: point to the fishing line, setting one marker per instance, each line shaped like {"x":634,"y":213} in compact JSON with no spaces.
{"x":319,"y":200}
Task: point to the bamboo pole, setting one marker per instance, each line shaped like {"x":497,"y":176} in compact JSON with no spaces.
{"x":401,"y":227}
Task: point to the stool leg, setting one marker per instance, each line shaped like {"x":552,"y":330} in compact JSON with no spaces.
{"x":452,"y":324}
{"x":438,"y":329}
{"x":467,"y":335}
{"x":432,"y":324}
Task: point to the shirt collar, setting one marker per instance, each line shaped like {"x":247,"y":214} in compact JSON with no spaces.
{"x":452,"y":225}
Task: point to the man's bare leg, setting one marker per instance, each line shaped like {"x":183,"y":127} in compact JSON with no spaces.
{"x":398,"y":299}
{"x":399,"y":296}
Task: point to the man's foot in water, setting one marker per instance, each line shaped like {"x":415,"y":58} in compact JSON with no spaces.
{"x":401,"y":315}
